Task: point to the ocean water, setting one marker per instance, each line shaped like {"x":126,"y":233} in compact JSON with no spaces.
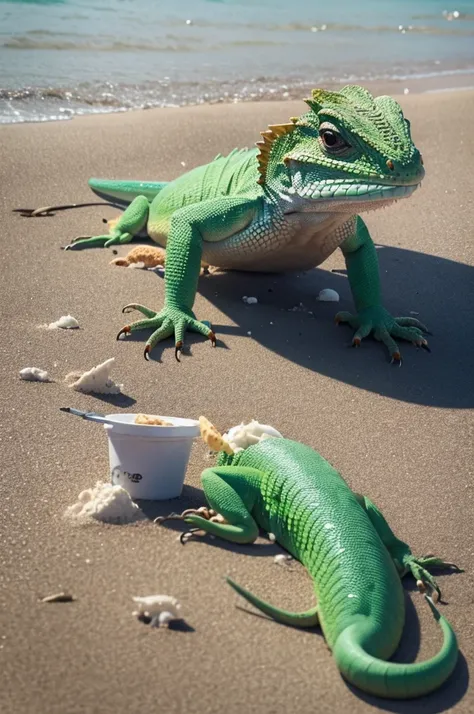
{"x":60,"y":58}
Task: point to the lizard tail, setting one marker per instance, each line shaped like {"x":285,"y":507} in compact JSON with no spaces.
{"x":295,"y":619}
{"x":123,"y":192}
{"x":390,"y":679}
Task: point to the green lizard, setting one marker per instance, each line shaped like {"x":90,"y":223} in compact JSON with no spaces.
{"x":351,"y":553}
{"x":286,"y":205}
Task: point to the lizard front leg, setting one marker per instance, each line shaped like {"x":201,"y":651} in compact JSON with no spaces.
{"x":131,"y":222}
{"x":363,"y":272}
{"x":214,"y":219}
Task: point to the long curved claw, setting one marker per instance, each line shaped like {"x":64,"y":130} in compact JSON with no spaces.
{"x":431,"y":561}
{"x":124,"y":331}
{"x":213,"y":338}
{"x":146,"y":352}
{"x":186,"y":535}
{"x":140,"y":308}
{"x":177,"y":350}
{"x":396,"y":359}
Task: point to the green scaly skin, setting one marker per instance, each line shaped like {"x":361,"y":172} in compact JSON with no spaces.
{"x":349,"y":550}
{"x":286,"y":206}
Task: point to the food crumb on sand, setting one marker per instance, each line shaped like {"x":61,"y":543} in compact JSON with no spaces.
{"x":107,"y":503}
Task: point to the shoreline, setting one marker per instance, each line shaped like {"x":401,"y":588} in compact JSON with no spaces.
{"x":429,"y":83}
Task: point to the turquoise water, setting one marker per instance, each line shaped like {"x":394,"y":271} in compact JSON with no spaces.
{"x":64,"y":57}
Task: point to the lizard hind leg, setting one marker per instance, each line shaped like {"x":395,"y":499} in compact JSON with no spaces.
{"x":405,"y":561}
{"x":231,"y":492}
{"x":309,"y":618}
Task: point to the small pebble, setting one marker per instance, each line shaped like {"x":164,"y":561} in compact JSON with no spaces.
{"x":328,"y":295}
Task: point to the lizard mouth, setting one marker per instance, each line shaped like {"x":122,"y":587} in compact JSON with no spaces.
{"x":347,"y":191}
{"x":354,"y":192}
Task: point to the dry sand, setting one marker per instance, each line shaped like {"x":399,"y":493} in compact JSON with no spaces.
{"x":402,"y":436}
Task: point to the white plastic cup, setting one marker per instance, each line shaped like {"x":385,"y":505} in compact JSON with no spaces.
{"x":150,"y":462}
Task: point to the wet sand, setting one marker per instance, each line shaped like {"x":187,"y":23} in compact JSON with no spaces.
{"x":402,"y":436}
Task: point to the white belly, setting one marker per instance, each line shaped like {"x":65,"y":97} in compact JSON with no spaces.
{"x":298,"y":241}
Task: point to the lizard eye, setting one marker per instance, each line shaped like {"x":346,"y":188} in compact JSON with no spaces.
{"x":332,"y":141}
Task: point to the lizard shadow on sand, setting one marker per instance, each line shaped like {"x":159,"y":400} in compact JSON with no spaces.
{"x":439,"y":701}
{"x":441,"y":292}
{"x":436,"y":290}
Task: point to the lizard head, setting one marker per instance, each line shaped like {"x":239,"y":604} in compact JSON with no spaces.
{"x":351,"y":152}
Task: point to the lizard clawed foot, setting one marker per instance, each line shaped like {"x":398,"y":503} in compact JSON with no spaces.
{"x":124,"y":331}
{"x":170,"y":320}
{"x":384,"y":327}
{"x":424,"y":580}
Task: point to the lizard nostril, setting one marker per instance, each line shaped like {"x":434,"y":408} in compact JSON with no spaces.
{"x":390,"y":165}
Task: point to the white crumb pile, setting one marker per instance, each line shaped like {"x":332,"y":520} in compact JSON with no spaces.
{"x":66,"y":322}
{"x":96,"y":380}
{"x":249,"y":300}
{"x":244,"y":435}
{"x":161,"y":609}
{"x":34,"y":374}
{"x":328,"y":295}
{"x":106,"y":503}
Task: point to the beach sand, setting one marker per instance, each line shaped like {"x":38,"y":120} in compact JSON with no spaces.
{"x":402,"y":436}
